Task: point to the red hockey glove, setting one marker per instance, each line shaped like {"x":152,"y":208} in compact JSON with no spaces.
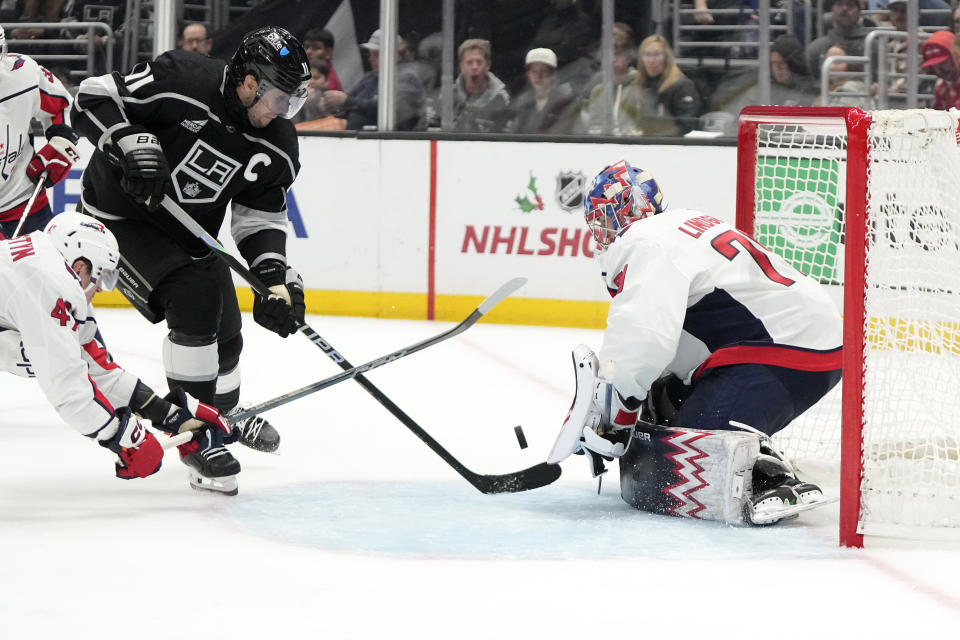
{"x":186,"y":413}
{"x":140,"y":455}
{"x":56,"y":157}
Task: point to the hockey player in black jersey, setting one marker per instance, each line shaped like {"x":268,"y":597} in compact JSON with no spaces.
{"x":205,"y":133}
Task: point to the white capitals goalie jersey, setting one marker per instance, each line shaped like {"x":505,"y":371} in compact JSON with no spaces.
{"x":47,"y":332}
{"x":27,"y":91}
{"x":691,"y":293}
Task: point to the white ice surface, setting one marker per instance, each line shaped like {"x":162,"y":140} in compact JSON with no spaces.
{"x":357,"y":530}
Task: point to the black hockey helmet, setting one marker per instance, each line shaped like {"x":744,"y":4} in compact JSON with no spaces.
{"x":277,"y":60}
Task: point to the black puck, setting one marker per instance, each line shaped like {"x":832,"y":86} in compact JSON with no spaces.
{"x":521,"y":439}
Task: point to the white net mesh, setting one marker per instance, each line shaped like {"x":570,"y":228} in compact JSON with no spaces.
{"x":911,"y":410}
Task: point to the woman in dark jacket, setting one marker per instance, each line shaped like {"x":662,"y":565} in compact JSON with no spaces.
{"x":662,"y":101}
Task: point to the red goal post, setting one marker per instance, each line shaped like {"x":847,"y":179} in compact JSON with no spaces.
{"x":868,"y":203}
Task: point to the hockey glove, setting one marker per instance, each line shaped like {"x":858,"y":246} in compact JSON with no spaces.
{"x":599,"y":417}
{"x":146,"y":176}
{"x":189,"y":414}
{"x":56,"y":157}
{"x":283,"y":310}
{"x":140,"y":455}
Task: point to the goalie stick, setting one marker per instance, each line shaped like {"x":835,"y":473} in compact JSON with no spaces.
{"x":533,"y":477}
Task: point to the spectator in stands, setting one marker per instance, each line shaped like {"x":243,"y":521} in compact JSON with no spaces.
{"x":568,"y":30}
{"x":195,"y":37}
{"x":790,"y":82}
{"x":360,"y":106}
{"x":546,"y":106}
{"x":940,"y":57}
{"x":842,"y":90}
{"x":321,"y":102}
{"x":847,"y":32}
{"x":426,"y":64}
{"x":111,"y":12}
{"x":661,"y":101}
{"x":897,"y":63}
{"x":37,"y":11}
{"x":480,"y":99}
{"x":318,"y":43}
{"x":932,"y":12}
{"x":623,"y":42}
{"x":592,"y":115}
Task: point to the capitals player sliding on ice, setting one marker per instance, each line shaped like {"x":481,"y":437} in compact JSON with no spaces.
{"x":714,"y":343}
{"x":28,"y":91}
{"x":47,"y":331}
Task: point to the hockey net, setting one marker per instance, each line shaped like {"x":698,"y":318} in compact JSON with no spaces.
{"x":869,"y":205}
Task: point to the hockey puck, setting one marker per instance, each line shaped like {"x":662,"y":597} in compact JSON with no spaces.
{"x":521,"y":439}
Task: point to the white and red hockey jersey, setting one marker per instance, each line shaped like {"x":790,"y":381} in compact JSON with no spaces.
{"x":690,"y":293}
{"x":27,"y":91}
{"x":47,"y":331}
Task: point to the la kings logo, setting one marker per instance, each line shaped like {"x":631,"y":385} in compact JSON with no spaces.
{"x":203,"y":173}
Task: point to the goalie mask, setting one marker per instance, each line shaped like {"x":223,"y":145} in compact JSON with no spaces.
{"x":80,"y":237}
{"x":619,"y":196}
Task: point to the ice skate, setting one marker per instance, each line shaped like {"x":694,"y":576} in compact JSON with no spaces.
{"x":777,"y":493}
{"x":255,"y":431}
{"x":211,"y":467}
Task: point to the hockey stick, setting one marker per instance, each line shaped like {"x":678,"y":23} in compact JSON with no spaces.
{"x":42,"y":178}
{"x":348,"y":374}
{"x":531,"y":478}
{"x":176,"y":440}
{"x":493,"y":300}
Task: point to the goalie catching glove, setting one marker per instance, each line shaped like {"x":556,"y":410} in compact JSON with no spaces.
{"x":146,"y":175}
{"x":56,"y":157}
{"x":283,"y":310}
{"x":140,"y":454}
{"x":599,"y":420}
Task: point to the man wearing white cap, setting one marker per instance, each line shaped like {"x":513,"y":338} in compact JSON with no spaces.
{"x":360,"y":107}
{"x":545,"y":106}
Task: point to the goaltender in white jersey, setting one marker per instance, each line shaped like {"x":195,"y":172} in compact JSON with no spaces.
{"x":708,"y":331}
{"x":47,"y":331}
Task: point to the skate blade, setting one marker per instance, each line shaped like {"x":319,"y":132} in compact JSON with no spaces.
{"x":226,"y":485}
{"x":773,"y":515}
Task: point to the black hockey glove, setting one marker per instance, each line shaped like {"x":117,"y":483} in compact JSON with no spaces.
{"x":284,"y":309}
{"x":146,"y":175}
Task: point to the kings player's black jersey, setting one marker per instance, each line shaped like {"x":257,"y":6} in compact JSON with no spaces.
{"x":214,"y":153}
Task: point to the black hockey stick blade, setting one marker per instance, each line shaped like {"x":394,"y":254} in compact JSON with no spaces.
{"x":539,"y":475}
{"x":489,"y":303}
{"x":532,"y":478}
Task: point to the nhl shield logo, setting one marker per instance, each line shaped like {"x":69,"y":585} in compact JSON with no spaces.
{"x":570,"y":186}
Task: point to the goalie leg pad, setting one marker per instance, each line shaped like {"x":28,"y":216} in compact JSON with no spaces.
{"x":689,"y":473}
